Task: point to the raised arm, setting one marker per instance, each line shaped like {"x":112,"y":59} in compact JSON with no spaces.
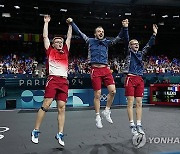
{"x":47,"y":18}
{"x":123,"y":34}
{"x":77,"y":30}
{"x":125,"y":24}
{"x":69,"y":36}
{"x":155,"y":28}
{"x":151,"y":42}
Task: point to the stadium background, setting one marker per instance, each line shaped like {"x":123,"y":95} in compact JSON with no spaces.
{"x":21,"y":35}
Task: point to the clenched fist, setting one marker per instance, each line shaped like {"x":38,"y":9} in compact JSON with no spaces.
{"x":69,"y":20}
{"x":125,"y":23}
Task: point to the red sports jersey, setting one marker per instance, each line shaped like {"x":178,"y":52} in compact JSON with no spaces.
{"x":57,"y":63}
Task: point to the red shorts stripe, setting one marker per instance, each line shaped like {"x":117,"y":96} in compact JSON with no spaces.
{"x":57,"y":88}
{"x":134,"y":86}
{"x":101,"y":75}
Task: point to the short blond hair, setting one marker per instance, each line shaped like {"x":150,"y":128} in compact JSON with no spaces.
{"x":57,"y":37}
{"x":133,"y":40}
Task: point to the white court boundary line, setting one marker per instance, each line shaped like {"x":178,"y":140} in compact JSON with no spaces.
{"x":2,"y":131}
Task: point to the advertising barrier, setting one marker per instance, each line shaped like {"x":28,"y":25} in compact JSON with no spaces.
{"x":29,"y":93}
{"x":76,"y":98}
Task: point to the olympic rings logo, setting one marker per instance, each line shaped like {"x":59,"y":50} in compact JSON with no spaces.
{"x":103,"y":97}
{"x":4,"y":129}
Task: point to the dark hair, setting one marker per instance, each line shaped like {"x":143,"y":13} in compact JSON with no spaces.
{"x":97,"y":28}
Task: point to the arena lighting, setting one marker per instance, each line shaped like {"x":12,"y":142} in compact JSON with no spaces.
{"x":59,"y":23}
{"x":35,"y":7}
{"x":107,"y":18}
{"x":119,"y":15}
{"x":1,"y":5}
{"x":153,"y":15}
{"x":42,"y":14}
{"x":127,"y":14}
{"x":106,"y":13}
{"x":177,"y":16}
{"x":17,"y":7}
{"x":161,"y":23}
{"x":165,"y":16}
{"x":63,"y":10}
{"x":7,"y":15}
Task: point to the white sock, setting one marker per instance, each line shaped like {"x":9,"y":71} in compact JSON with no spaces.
{"x":132,"y":123}
{"x":138,"y":122}
{"x":98,"y":115}
{"x":107,"y":108}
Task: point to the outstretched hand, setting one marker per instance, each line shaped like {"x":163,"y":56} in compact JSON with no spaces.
{"x":47,"y":18}
{"x":69,"y":20}
{"x":155,"y":28}
{"x":125,"y":23}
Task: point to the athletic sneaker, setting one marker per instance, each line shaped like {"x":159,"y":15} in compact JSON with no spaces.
{"x":60,"y":137}
{"x":99,"y":122}
{"x":133,"y":130}
{"x":107,"y":115}
{"x":35,"y":136}
{"x":140,"y":129}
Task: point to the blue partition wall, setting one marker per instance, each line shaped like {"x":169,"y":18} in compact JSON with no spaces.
{"x":27,"y":99}
{"x":29,"y":92}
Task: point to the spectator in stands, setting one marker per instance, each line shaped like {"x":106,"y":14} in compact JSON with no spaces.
{"x":43,"y":73}
{"x":57,"y":83}
{"x":36,"y":72}
{"x":98,"y":58}
{"x":134,"y":84}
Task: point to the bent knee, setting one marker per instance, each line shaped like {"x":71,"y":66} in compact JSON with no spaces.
{"x":45,"y":109}
{"x":113,"y":92}
{"x":138,"y":104}
{"x":45,"y":106}
{"x":130,"y":105}
{"x":97,"y":95}
{"x":62,"y":108}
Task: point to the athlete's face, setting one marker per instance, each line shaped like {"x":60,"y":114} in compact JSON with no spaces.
{"x":134,"y":45}
{"x":58,"y":44}
{"x":99,"y":33}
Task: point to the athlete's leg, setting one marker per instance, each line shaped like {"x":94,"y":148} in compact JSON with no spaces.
{"x":61,"y":120}
{"x":130,"y":100}
{"x":111,"y":94}
{"x":97,"y":95}
{"x":139,"y":92}
{"x":138,"y":108}
{"x":40,"y":116}
{"x":41,"y":113}
{"x":110,"y":97}
{"x":61,"y":105}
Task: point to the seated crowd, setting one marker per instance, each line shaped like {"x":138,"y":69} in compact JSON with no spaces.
{"x":152,"y":64}
{"x":13,"y":64}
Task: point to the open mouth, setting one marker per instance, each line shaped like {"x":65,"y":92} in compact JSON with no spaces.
{"x":136,"y":47}
{"x":100,"y":36}
{"x":59,"y":46}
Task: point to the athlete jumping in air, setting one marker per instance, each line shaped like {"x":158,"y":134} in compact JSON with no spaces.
{"x":134,"y":84}
{"x":98,"y":59}
{"x":57,"y":83}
